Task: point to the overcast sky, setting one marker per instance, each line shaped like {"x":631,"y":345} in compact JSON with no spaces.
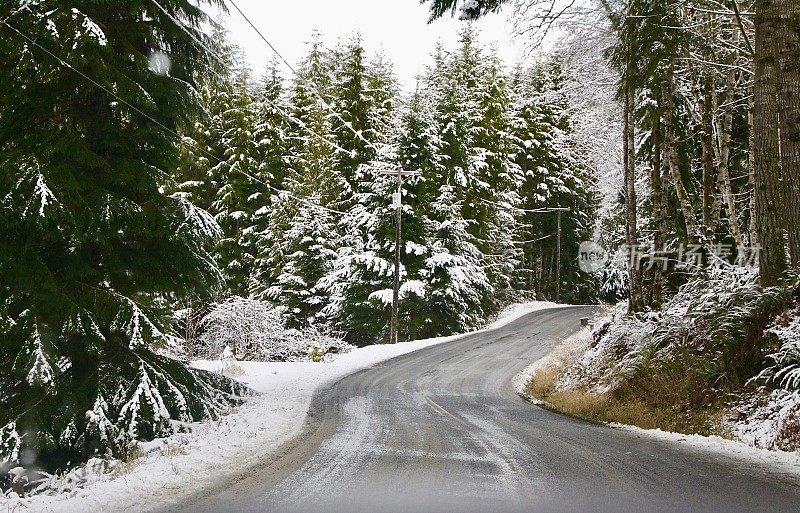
{"x":398,"y":27}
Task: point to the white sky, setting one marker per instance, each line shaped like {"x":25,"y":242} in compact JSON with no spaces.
{"x":397,"y":27}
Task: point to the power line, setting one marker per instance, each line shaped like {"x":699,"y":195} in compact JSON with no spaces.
{"x":534,"y":241}
{"x":524,"y":210}
{"x":180,"y":138}
{"x":222,"y":62}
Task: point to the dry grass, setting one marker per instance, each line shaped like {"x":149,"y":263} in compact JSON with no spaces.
{"x":232,"y":369}
{"x":130,"y":462}
{"x":580,"y":404}
{"x":611,"y":407}
{"x":543,"y":383}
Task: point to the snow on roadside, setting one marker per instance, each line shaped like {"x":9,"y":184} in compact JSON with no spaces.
{"x":566,"y":351}
{"x":571,"y":349}
{"x":179,"y":466}
{"x":780,"y":461}
{"x":515,"y":311}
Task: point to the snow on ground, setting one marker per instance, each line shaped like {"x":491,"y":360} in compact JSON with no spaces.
{"x":179,"y":466}
{"x":780,"y":461}
{"x":513,"y":312}
{"x":566,"y":351}
{"x":762,"y":417}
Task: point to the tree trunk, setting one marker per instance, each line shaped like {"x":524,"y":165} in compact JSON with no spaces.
{"x":752,"y":232}
{"x":658,"y":186}
{"x":787,"y":47}
{"x":767,"y":185}
{"x":693,"y":232}
{"x":635,"y":300}
{"x":707,"y":158}
{"x":723,"y":164}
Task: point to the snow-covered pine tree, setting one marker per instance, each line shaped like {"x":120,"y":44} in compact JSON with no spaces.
{"x":495,"y":175}
{"x":417,"y":151}
{"x":242,"y":172}
{"x":362,"y":276}
{"x":363,"y":271}
{"x":242,"y":191}
{"x":457,"y":285}
{"x":91,"y":242}
{"x":307,"y":250}
{"x":297,"y":246}
{"x":272,"y":125}
{"x":476,"y":150}
{"x":383,"y":91}
{"x":226,"y":164}
{"x":554,"y":176}
{"x":312,"y":156}
{"x":352,"y":123}
{"x":273,"y":139}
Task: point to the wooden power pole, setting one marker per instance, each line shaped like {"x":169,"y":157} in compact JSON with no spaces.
{"x":558,"y":211}
{"x":398,"y":205}
{"x":558,"y":256}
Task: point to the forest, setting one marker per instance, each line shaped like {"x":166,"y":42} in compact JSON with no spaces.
{"x":152,"y":182}
{"x":294,"y":173}
{"x":703,"y":235}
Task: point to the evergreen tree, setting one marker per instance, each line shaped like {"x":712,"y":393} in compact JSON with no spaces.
{"x":307,"y":251}
{"x":457,"y":283}
{"x":364,"y":269}
{"x":496,"y":177}
{"x":91,"y":244}
{"x":417,"y":151}
{"x":364,"y":94}
{"x":352,"y":121}
{"x":272,"y":126}
{"x":273,"y":140}
{"x":226,"y":166}
{"x":382,"y":92}
{"x":476,"y":151}
{"x":240,"y":175}
{"x":554,"y":176}
{"x":312,"y":163}
{"x":299,"y":241}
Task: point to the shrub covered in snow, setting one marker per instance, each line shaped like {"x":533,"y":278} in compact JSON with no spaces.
{"x":249,"y":329}
{"x":785,"y":333}
{"x":717,"y":318}
{"x":721,"y":343}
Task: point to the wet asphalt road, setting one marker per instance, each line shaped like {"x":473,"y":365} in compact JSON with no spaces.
{"x":442,"y":430}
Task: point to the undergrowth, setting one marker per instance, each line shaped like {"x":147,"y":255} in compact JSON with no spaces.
{"x":681,"y":368}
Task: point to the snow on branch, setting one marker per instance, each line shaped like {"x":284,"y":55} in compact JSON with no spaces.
{"x":145,"y":405}
{"x":136,"y":326}
{"x":33,"y":196}
{"x":33,"y":356}
{"x":197,"y":222}
{"x":385,"y":296}
{"x":41,"y":372}
{"x":10,"y":442}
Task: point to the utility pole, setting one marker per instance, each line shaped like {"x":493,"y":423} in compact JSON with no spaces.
{"x":558,"y":211}
{"x":558,"y":256}
{"x":397,"y":203}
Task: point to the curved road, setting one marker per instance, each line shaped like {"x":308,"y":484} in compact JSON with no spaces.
{"x":442,"y":430}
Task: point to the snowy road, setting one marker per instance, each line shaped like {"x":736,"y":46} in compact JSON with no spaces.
{"x":442,"y":430}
